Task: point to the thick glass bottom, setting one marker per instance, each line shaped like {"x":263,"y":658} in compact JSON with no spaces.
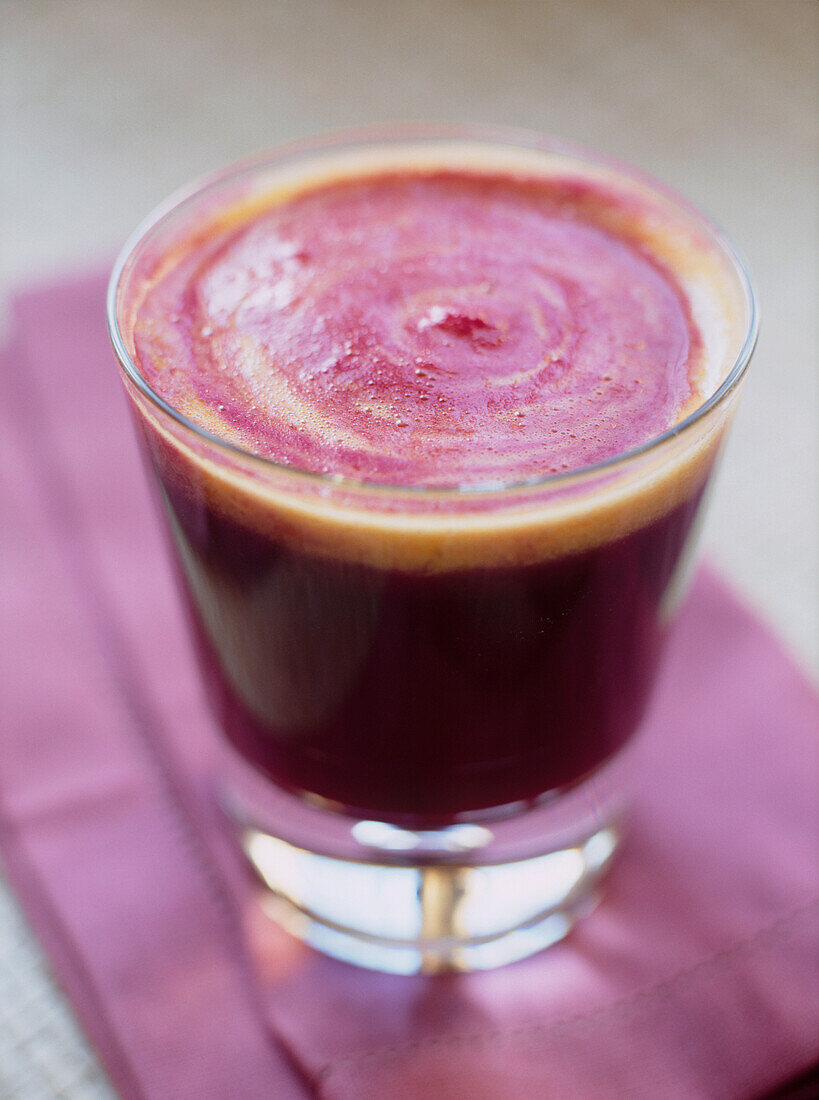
{"x":469,"y":896}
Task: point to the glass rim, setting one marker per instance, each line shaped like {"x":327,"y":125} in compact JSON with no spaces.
{"x":421,"y":132}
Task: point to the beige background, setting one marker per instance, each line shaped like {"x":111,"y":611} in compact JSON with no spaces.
{"x":107,"y":106}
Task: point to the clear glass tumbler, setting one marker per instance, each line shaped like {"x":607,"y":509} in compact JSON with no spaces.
{"x":428,"y":695}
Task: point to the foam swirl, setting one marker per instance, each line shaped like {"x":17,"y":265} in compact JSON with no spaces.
{"x":426,"y":328}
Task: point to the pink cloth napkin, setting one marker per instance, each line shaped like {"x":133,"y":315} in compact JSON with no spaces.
{"x":697,"y":976}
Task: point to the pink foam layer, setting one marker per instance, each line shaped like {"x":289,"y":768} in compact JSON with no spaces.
{"x":435,"y":327}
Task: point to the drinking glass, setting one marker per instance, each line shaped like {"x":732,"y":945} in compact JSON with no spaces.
{"x":427,"y":695}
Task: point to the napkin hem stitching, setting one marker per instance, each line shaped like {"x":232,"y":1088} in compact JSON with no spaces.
{"x":57,"y":943}
{"x":65,"y":514}
{"x":664,"y":987}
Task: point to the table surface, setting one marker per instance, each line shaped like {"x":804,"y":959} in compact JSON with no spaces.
{"x":105,"y":107}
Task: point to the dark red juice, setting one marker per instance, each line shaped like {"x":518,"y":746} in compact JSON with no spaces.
{"x":420,"y":697}
{"x":381,"y":390}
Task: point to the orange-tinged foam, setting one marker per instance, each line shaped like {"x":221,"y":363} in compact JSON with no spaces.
{"x":500,"y":346}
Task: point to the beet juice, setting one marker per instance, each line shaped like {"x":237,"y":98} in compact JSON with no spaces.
{"x":388,"y":401}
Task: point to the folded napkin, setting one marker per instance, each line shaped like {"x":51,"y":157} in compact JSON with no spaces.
{"x":696,"y":977}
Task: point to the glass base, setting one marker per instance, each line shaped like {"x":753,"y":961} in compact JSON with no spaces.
{"x":469,"y":896}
